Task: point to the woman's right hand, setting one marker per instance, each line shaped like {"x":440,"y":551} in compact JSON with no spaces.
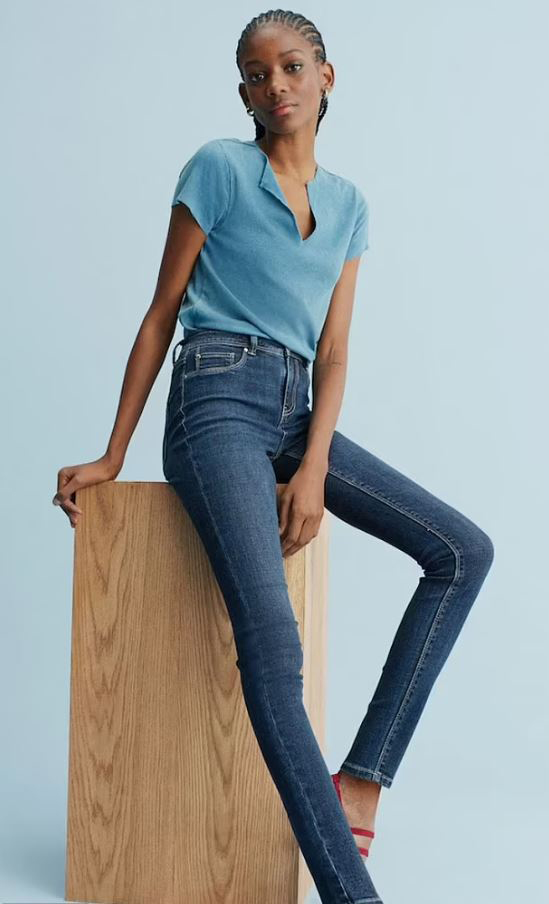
{"x":74,"y":477}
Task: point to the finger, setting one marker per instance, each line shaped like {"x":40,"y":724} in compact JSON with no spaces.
{"x":292,"y":538}
{"x":283,"y":516}
{"x":297,"y":527}
{"x":66,"y":494}
{"x":72,"y":516}
{"x":297,"y":544}
{"x":66,"y":485}
{"x":297,"y":537}
{"x":72,"y":507}
{"x":66,"y":503}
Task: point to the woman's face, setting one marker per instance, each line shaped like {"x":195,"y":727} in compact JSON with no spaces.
{"x":279,"y":68}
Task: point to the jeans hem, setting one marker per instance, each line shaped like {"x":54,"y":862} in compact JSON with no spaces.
{"x":369,"y":901}
{"x":371,"y":774}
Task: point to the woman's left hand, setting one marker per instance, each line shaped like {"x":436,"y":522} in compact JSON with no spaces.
{"x":300,"y":505}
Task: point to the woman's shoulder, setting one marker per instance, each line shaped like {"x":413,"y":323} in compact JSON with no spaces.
{"x":345,"y":189}
{"x":222,"y":146}
{"x":208,"y":150}
{"x":223,"y":152}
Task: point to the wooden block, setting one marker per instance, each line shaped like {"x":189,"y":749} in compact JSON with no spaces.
{"x":169,"y":798}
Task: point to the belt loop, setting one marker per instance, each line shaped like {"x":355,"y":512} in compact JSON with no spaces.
{"x":253,"y":344}
{"x":174,"y":351}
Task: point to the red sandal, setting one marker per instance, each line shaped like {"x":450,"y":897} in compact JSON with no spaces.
{"x":354,"y":830}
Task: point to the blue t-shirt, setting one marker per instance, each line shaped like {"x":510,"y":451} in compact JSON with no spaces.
{"x":255,"y":273}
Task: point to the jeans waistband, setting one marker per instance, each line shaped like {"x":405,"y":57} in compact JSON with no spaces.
{"x":254,"y":343}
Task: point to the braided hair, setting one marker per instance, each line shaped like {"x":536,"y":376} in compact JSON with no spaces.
{"x":304,"y":27}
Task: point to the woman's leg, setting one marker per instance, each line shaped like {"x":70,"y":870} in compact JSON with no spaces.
{"x":229,"y":491}
{"x":455,"y":556}
{"x":227,"y":409}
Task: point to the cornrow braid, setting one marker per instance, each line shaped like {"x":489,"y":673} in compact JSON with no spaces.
{"x":304,"y":27}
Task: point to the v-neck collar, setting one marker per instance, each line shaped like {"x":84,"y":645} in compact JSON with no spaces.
{"x":269,"y":182}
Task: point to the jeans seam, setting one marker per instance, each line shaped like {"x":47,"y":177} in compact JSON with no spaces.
{"x":443,"y":605}
{"x":380,"y":777}
{"x":286,"y":412}
{"x":294,"y":388}
{"x":264,"y":685}
{"x":237,"y":343}
{"x":224,"y":368}
{"x":181,"y":378}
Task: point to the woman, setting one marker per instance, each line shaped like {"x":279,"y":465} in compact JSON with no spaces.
{"x":265,"y":246}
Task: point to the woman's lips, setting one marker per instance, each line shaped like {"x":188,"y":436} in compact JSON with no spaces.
{"x":281,"y":111}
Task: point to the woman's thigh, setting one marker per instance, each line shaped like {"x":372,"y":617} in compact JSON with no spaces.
{"x":372,"y":495}
{"x":229,"y":491}
{"x":227,"y":407}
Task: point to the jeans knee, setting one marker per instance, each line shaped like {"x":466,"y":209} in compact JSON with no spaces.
{"x":271,"y":650}
{"x":284,"y":661}
{"x":480,"y":550}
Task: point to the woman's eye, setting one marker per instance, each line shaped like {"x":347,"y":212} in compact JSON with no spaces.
{"x":254,"y":76}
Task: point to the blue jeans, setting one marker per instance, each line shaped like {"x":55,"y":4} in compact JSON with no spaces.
{"x":237,"y":416}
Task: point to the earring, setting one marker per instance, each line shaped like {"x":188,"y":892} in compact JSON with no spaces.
{"x":250,"y":112}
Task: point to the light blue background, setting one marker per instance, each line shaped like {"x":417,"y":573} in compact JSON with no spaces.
{"x":439,"y":114}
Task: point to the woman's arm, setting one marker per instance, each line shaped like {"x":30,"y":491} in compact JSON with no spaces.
{"x":183,"y":243}
{"x":330,"y":367}
{"x":301,"y":501}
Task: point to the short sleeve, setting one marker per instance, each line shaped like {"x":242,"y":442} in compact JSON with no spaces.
{"x":203,"y":185}
{"x":359,"y":238}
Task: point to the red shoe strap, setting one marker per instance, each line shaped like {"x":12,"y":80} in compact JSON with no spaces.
{"x":355,"y":831}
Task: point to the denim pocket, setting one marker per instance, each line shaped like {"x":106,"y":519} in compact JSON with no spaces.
{"x":213,"y":358}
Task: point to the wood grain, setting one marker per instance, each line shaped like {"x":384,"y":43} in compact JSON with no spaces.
{"x":169,"y":798}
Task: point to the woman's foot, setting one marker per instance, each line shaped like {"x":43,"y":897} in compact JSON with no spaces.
{"x":359,"y":799}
